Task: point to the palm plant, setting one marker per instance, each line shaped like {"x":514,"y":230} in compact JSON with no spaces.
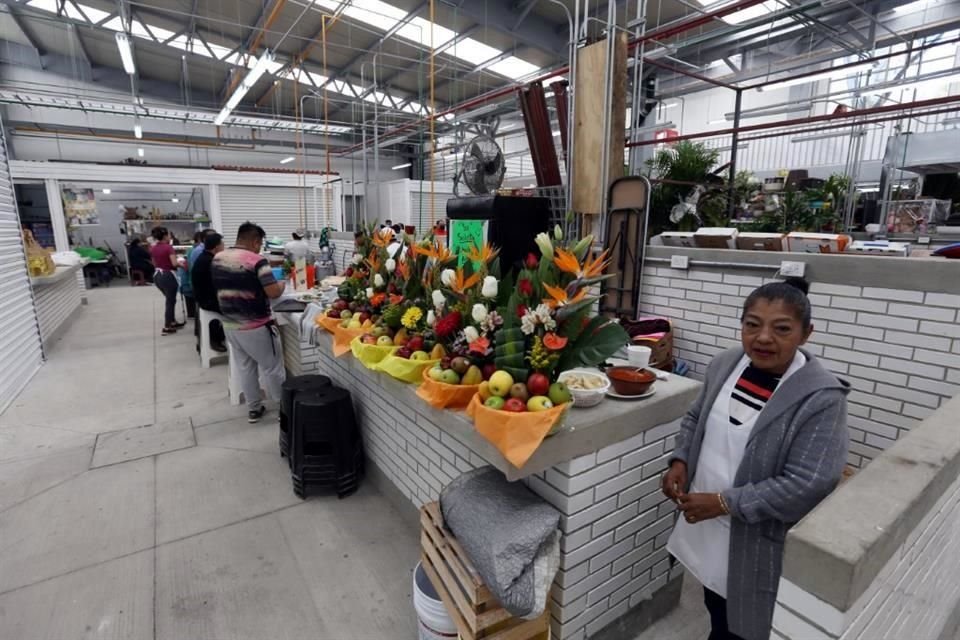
{"x":685,"y":162}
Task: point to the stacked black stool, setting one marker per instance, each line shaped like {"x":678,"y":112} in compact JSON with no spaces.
{"x":326,"y":450}
{"x":291,"y":388}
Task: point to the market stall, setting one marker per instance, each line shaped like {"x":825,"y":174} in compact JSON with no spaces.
{"x":57,"y":298}
{"x":427,"y":418}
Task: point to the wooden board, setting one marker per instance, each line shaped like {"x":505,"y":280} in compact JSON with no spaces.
{"x":588,"y":188}
{"x":468,"y":601}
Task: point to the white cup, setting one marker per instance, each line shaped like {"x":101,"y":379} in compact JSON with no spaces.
{"x":638,"y":356}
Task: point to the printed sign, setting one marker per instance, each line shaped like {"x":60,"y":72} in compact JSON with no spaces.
{"x":80,"y":207}
{"x":465,"y":235}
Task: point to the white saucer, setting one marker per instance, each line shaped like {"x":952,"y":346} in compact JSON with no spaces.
{"x":613,"y":394}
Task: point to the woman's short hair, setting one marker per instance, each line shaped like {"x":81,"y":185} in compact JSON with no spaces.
{"x":159,"y":233}
{"x":793,"y":293}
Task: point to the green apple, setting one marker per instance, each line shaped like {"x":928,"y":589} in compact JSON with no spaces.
{"x":435,"y":373}
{"x":346,"y":314}
{"x":355,"y":323}
{"x":539,"y":403}
{"x":420,"y":355}
{"x":500,"y":383}
{"x":384,"y":341}
{"x":450,"y":377}
{"x":378,"y":331}
{"x":559,"y":394}
{"x":494,"y":402}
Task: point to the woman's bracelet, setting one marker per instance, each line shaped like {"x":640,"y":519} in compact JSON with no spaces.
{"x":723,"y":504}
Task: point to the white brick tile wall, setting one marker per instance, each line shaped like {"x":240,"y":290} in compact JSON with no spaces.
{"x":908,"y":339}
{"x":913,"y":596}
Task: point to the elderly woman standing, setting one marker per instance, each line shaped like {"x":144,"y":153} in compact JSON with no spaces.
{"x":765,"y":442}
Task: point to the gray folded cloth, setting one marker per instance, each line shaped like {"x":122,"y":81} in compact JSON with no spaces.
{"x":510,"y":534}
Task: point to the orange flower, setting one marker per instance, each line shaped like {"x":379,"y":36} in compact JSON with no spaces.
{"x":378,"y":299}
{"x":484,"y":254}
{"x":558,"y":296}
{"x":461,"y":283}
{"x":568,"y":263}
{"x":480,"y":345}
{"x":439,"y":252}
{"x":374,"y":262}
{"x":403,"y":268}
{"x":395,"y":298}
{"x":383,"y":238}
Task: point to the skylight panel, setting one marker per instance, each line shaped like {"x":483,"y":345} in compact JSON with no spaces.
{"x":375,"y":13}
{"x":418,"y":30}
{"x":473,"y":51}
{"x":44,"y":5}
{"x":95,"y":15}
{"x":181,"y":42}
{"x":114,"y":24}
{"x":223,"y":52}
{"x":513,"y":67}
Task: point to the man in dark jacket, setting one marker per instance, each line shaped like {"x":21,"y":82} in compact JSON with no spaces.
{"x":204,"y":291}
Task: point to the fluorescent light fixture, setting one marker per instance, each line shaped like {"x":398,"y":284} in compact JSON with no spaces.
{"x":719,"y":121}
{"x":556,"y":134}
{"x":137,"y":129}
{"x":287,"y":160}
{"x":400,"y":166}
{"x":140,"y":151}
{"x":106,"y":190}
{"x":258,"y":69}
{"x":126,"y":52}
{"x":174,"y":199}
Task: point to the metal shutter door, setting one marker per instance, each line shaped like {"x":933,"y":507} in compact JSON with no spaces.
{"x":420,"y":208}
{"x":20,"y":350}
{"x":277,"y":209}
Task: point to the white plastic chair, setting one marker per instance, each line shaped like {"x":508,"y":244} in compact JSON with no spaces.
{"x":207,"y":355}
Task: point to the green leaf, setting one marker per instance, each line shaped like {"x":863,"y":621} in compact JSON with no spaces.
{"x":601,"y":338}
{"x":506,"y":288}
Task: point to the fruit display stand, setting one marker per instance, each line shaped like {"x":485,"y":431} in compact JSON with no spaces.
{"x":601,"y":471}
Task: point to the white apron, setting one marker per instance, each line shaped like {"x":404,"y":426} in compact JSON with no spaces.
{"x":704,"y":547}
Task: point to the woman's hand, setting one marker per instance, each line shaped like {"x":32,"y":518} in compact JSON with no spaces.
{"x":697,"y":507}
{"x":675,"y":480}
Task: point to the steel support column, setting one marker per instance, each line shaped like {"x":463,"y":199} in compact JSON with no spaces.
{"x":735,"y":142}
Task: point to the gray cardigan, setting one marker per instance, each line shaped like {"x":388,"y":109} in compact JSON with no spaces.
{"x":794,"y":458}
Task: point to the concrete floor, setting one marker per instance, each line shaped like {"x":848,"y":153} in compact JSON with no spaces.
{"x":136,"y":503}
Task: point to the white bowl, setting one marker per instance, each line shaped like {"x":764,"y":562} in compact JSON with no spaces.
{"x":587,"y":397}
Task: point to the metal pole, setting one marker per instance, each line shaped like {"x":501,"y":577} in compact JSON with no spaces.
{"x":735,"y":141}
{"x":363,"y":129}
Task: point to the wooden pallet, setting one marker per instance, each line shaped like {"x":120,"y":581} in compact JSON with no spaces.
{"x":472,"y":607}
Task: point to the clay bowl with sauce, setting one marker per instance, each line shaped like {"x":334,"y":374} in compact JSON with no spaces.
{"x":630,"y":381}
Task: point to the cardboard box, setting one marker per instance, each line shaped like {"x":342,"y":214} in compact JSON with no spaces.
{"x":677,"y":239}
{"x":716,"y":238}
{"x":751,"y":241}
{"x":798,"y":242}
{"x":880,"y":248}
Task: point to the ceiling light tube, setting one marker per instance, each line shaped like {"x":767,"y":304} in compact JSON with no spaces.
{"x":140,"y":151}
{"x":287,"y":160}
{"x":174,"y":199}
{"x":400,"y":166}
{"x":137,"y":129}
{"x":126,"y":52}
{"x":107,"y":191}
{"x":259,"y":68}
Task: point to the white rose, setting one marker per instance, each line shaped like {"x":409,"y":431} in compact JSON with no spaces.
{"x":357,"y":258}
{"x":391,"y":265}
{"x":378,"y":280}
{"x":479,"y":313}
{"x":489,"y":289}
{"x":471,"y":334}
{"x":431,"y":318}
{"x":438,"y":299}
{"x":447,"y":276}
{"x":369,"y":292}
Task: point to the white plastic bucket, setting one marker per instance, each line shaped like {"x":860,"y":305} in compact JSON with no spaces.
{"x":433,"y":623}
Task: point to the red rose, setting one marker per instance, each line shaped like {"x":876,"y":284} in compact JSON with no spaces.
{"x":531,"y":261}
{"x":521,"y":310}
{"x":525,"y":287}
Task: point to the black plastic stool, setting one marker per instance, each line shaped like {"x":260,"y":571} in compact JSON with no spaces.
{"x":291,"y":387}
{"x":326,"y":449}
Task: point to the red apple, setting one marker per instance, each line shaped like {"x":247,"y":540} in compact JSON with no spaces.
{"x":369,"y":339}
{"x":403,"y":352}
{"x":364,"y":316}
{"x":340,"y":304}
{"x":333,"y":313}
{"x":515,"y":405}
{"x":488,"y":370}
{"x":415,"y":343}
{"x":538,"y":384}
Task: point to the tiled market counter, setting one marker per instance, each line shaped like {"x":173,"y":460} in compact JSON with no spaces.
{"x":601,"y":471}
